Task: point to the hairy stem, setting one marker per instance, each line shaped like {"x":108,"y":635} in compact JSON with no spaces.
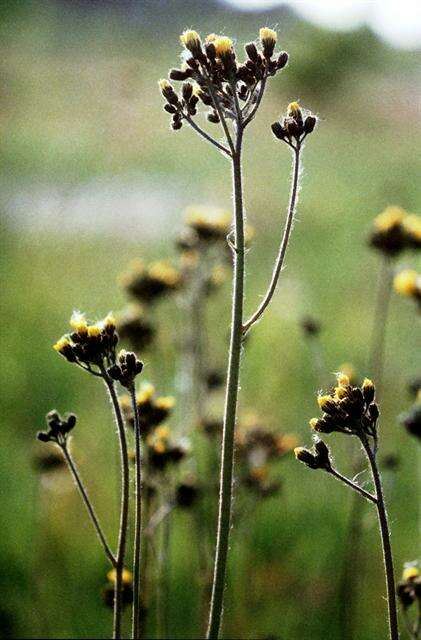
{"x":385,"y":538}
{"x":124,"y":510}
{"x":138,"y":519}
{"x":206,"y":136}
{"x":284,"y":242}
{"x":233,"y":373}
{"x":365,"y":494}
{"x":81,"y":487}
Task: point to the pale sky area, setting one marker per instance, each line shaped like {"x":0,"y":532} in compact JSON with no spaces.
{"x":396,"y":22}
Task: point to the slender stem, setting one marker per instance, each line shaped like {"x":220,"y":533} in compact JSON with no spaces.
{"x":385,"y":537}
{"x":84,"y":495}
{"x":206,"y":136}
{"x":353,"y":485}
{"x":257,"y":103}
{"x":378,"y":336}
{"x":124,"y":510}
{"x":138,"y":519}
{"x":233,"y":373}
{"x":220,"y":113}
{"x":284,"y":242}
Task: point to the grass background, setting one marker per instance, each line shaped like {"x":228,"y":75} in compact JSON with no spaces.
{"x":81,"y":114}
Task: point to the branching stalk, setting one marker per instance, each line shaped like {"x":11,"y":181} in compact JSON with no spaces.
{"x":385,"y":538}
{"x":227,"y":454}
{"x":124,"y":510}
{"x":366,"y":494}
{"x":84,"y":495}
{"x":284,"y":242}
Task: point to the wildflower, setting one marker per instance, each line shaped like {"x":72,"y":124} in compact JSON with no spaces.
{"x":295,"y":126}
{"x":319,"y":458}
{"x":408,"y":283}
{"x":409,"y":588}
{"x":148,"y":283}
{"x":127,"y":587}
{"x":210,"y":224}
{"x":412,"y":227}
{"x":152,"y":410}
{"x":58,"y":427}
{"x":134,"y":326}
{"x":411,"y":420}
{"x":162,"y":449}
{"x":388,"y":234}
{"x":127,"y":367}
{"x":213,"y":67}
{"x":348,"y":409}
{"x":89,"y":344}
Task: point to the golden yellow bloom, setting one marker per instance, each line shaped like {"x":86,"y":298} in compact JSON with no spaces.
{"x":190,"y":39}
{"x":406,"y":283}
{"x":165,"y":402}
{"x":367,"y":384}
{"x":198,"y":216}
{"x":164,"y":271}
{"x":109,"y":321}
{"x":349,"y":370}
{"x":412,"y":226}
{"x":410,"y":573}
{"x":313,"y":422}
{"x":390,"y":217}
{"x":126,"y":576}
{"x":324,"y":401}
{"x":94,"y":331}
{"x":61,"y":345}
{"x":294,"y":109}
{"x":78,"y":323}
{"x":267,"y":34}
{"x":223,"y":46}
{"x":164,"y":84}
{"x":146,"y":392}
{"x":340,"y":392}
{"x":342,"y":378}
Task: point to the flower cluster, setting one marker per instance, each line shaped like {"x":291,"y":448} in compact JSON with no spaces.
{"x":408,"y":283}
{"x":394,"y":230}
{"x":295,"y":126}
{"x":134,"y":326}
{"x":409,"y":588}
{"x":127,"y":587}
{"x":212,"y":75}
{"x":348,"y":409}
{"x":58,"y":427}
{"x":89,"y":343}
{"x":162,"y":449}
{"x":127,"y":367}
{"x":256,"y":447}
{"x":149,"y":283}
{"x":152,"y":410}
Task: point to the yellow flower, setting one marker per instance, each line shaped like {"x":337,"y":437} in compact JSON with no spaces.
{"x":342,"y":378}
{"x":94,"y":331}
{"x":223,"y":46}
{"x":324,"y":401}
{"x":410,"y":573}
{"x":313,"y":422}
{"x":391,"y":217}
{"x":406,"y":283}
{"x":164,"y":271}
{"x":61,"y":345}
{"x":146,"y":392}
{"x":412,"y":226}
{"x":109,"y":321}
{"x":78,"y":323}
{"x":266,"y":34}
{"x":190,"y":39}
{"x":164,"y":84}
{"x":294,"y":109}
{"x":126,"y":576}
{"x":165,"y":402}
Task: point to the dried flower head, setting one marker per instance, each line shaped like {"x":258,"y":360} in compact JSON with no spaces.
{"x":348,"y":409}
{"x":89,"y":344}
{"x":295,"y":126}
{"x":152,"y":409}
{"x":212,"y":75}
{"x":151,"y":282}
{"x":133,"y":325}
{"x":58,"y":427}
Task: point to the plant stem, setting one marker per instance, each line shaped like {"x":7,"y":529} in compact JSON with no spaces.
{"x":79,"y":483}
{"x":385,"y":538}
{"x":138,"y":519}
{"x":233,"y":374}
{"x":124,"y":510}
{"x":284,"y":242}
{"x":365,"y":494}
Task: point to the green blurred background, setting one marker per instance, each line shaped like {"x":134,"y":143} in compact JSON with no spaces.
{"x":92,"y":177}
